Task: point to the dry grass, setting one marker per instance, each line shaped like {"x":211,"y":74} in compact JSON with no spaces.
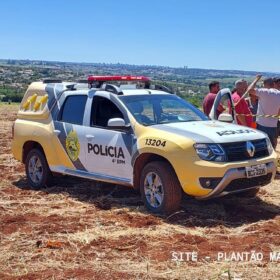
{"x":78,"y":229}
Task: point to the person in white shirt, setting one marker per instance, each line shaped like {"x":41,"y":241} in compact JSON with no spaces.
{"x":277,"y":86}
{"x":268,"y":104}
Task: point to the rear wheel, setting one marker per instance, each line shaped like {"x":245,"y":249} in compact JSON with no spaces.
{"x":160,"y":188}
{"x":37,"y":169}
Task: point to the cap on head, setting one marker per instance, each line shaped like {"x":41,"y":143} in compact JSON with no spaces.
{"x":239,"y":82}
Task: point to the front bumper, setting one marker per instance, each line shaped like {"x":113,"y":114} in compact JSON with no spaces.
{"x":234,"y":174}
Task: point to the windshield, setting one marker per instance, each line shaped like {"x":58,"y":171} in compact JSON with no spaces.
{"x":161,"y":108}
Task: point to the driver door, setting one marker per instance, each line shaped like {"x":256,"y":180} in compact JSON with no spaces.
{"x":108,"y":150}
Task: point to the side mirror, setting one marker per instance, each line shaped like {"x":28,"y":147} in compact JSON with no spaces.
{"x":117,"y":123}
{"x":224,"y":117}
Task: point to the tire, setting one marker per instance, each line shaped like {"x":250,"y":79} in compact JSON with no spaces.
{"x":37,"y":169}
{"x":165,"y":195}
{"x":249,"y":193}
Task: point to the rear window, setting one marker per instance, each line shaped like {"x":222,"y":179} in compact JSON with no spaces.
{"x":73,"y":109}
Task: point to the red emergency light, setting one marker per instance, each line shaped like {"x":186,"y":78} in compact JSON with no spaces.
{"x":92,"y":79}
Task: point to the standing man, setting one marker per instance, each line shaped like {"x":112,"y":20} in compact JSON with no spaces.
{"x":208,"y":101}
{"x":245,"y":118}
{"x":276,"y":81}
{"x":269,"y":104}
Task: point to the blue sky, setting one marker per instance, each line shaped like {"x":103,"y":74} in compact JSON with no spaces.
{"x":199,"y":34}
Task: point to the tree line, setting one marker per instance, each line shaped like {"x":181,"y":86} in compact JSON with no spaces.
{"x":11,"y":94}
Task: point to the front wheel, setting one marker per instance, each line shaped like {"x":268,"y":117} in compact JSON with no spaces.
{"x":37,"y":169}
{"x":160,"y":188}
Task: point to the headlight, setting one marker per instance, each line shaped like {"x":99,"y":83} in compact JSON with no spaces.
{"x":210,"y":152}
{"x":269,"y":146}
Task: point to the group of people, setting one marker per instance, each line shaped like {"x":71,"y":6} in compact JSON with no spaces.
{"x":263,"y":102}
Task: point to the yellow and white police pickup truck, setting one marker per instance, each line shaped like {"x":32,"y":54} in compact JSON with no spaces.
{"x":146,"y":138}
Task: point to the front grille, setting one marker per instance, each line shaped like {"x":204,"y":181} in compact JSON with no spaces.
{"x":246,"y":183}
{"x":237,"y":151}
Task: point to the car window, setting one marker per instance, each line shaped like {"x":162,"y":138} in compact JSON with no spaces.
{"x":73,"y":109}
{"x":159,"y":109}
{"x":102,"y":110}
{"x":143,"y":111}
{"x":175,"y":110}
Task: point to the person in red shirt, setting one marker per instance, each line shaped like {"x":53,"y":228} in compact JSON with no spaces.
{"x":241,"y":106}
{"x":208,"y":101}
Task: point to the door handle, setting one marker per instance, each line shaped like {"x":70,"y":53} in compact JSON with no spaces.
{"x":57,"y":132}
{"x":89,"y":137}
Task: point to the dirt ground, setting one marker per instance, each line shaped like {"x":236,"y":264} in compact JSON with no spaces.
{"x":80,"y":229}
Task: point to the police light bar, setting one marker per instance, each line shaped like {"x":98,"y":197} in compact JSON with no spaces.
{"x":92,"y":79}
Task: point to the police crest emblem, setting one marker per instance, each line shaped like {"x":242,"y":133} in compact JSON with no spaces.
{"x":73,"y":145}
